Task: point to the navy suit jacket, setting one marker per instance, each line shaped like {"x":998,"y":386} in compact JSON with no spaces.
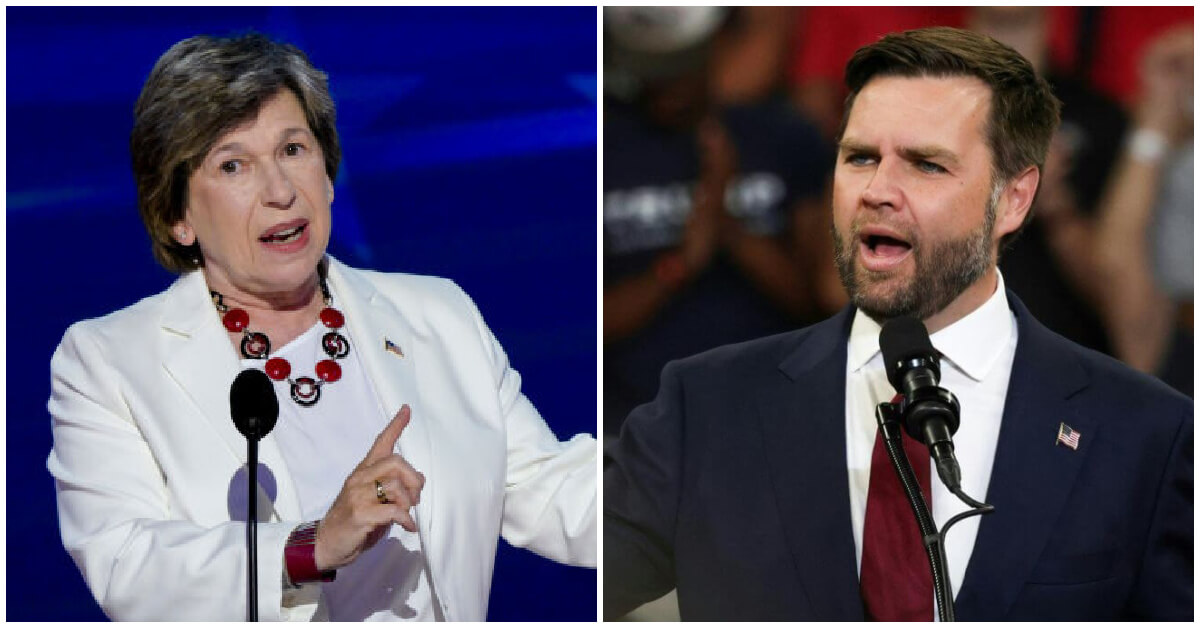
{"x":731,"y":486}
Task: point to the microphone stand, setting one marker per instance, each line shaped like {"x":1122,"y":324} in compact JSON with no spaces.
{"x":889,"y":417}
{"x":254,"y":410}
{"x":252,"y":527}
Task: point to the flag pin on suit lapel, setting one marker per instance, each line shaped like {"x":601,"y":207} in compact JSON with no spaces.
{"x":388,"y":345}
{"x":1068,"y":436}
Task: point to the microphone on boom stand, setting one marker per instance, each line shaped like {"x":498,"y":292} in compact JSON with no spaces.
{"x":930,"y":414}
{"x":254,"y":409}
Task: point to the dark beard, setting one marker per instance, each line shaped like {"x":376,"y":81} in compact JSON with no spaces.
{"x":943,"y":271}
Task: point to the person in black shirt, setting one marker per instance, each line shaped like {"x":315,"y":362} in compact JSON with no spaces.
{"x":714,"y":217}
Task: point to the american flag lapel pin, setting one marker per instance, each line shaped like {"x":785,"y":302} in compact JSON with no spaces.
{"x":388,"y":345}
{"x":1068,"y":436}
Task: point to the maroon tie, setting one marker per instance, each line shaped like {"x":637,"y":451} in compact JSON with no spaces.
{"x":896,"y":582}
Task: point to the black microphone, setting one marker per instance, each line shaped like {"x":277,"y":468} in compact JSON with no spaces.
{"x":254,"y":409}
{"x":253,"y":405}
{"x":930,"y":413}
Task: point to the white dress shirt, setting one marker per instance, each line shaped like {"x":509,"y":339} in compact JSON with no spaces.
{"x":978,"y":350}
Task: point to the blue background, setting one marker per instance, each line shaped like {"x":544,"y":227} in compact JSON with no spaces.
{"x":469,"y":142}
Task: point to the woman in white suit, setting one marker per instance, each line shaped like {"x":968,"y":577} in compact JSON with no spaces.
{"x":404,"y":447}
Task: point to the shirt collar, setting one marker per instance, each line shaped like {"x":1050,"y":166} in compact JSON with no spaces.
{"x":972,"y":344}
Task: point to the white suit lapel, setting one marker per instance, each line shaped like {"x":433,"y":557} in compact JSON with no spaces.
{"x":199,"y":357}
{"x":373,"y":322}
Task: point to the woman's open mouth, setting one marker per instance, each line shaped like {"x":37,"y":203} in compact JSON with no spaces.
{"x":287,"y":237}
{"x":281,"y":237}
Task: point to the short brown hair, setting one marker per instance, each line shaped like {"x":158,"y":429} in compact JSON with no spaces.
{"x":1024,"y":111}
{"x":200,"y":89}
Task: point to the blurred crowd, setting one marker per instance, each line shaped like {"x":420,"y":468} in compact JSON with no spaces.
{"x":719,"y":131}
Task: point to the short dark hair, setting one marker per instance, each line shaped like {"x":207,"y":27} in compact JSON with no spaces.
{"x":200,"y":89}
{"x":1024,"y":111}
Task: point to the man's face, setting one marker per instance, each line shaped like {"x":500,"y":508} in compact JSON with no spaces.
{"x":913,"y":203}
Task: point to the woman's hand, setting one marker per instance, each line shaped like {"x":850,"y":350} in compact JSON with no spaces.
{"x":358,"y":518}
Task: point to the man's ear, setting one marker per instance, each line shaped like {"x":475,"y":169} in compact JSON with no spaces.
{"x":1016,"y":199}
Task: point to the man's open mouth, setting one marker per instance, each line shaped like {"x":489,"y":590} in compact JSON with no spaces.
{"x":885,"y":246}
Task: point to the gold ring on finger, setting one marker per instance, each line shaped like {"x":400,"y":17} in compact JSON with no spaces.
{"x":381,"y":494}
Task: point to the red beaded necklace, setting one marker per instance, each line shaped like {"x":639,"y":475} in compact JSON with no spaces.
{"x":306,"y":391}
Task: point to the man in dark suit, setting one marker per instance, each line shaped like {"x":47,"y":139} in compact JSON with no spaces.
{"x":748,"y":484}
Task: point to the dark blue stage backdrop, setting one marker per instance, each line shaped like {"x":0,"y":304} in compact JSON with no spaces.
{"x":469,"y":138}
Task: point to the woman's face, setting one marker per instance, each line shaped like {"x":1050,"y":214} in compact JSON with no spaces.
{"x":259,"y":204}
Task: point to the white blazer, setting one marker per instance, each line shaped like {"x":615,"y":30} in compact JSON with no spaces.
{"x":145,"y":453}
